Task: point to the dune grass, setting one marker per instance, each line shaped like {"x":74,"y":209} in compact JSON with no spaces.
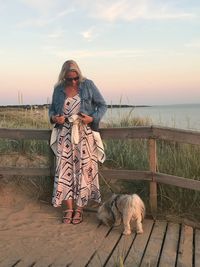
{"x":23,"y":118}
{"x":173,"y":158}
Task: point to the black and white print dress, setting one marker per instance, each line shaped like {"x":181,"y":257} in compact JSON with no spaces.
{"x":76,"y":175}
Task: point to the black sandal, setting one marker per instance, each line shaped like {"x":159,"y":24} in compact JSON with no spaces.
{"x":79,"y":219}
{"x":66,"y":217}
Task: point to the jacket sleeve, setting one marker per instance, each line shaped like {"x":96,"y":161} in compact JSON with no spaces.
{"x":99,"y":102}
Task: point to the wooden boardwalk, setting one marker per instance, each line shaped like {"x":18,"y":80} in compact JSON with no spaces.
{"x":163,"y":244}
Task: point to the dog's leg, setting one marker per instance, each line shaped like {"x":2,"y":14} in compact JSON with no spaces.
{"x":126,"y":220}
{"x":139,"y":229}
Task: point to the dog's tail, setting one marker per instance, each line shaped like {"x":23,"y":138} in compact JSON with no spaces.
{"x":139,"y":203}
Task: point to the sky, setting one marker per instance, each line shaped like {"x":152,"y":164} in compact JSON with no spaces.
{"x":137,"y":52}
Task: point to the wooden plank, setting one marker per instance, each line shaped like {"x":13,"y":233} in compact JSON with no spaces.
{"x":10,"y":171}
{"x":26,"y":262}
{"x":137,"y":132}
{"x":104,"y":251}
{"x":136,"y":252}
{"x":177,"y":181}
{"x":121,"y":250}
{"x":90,"y":246}
{"x":157,"y":132}
{"x":106,"y":133}
{"x":153,"y":184}
{"x":126,"y":174}
{"x":153,"y":250}
{"x":177,"y":135}
{"x":185,"y":251}
{"x":169,"y":251}
{"x":20,"y":134}
{"x":10,"y":261}
{"x":197,"y":248}
{"x":111,"y":174}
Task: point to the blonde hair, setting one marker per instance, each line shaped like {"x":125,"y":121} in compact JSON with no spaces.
{"x":69,"y":65}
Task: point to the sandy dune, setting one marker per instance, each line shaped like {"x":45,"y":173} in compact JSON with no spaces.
{"x":32,"y":232}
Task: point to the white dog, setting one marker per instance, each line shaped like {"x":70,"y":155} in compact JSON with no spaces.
{"x":123,"y":207}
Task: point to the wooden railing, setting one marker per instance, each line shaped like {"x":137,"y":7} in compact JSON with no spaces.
{"x":152,"y":134}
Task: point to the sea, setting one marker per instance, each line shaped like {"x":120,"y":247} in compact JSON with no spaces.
{"x":182,"y":116}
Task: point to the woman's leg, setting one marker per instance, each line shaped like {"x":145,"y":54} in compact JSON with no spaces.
{"x":68,"y":204}
{"x":68,"y":212}
{"x":78,"y":215}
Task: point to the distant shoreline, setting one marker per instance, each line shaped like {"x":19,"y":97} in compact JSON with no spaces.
{"x":39,"y":106}
{"x":127,"y":106}
{"x":47,"y":106}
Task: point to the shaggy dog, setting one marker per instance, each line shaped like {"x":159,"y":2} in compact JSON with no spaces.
{"x":123,"y":208}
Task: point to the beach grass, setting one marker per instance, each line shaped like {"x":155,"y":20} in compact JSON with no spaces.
{"x":173,"y":158}
{"x":24,"y":118}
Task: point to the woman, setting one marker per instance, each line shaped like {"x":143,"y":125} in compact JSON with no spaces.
{"x":77,"y":108}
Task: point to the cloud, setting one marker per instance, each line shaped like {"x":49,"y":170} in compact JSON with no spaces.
{"x":113,"y":10}
{"x":48,"y":11}
{"x":130,"y":10}
{"x":89,"y":34}
{"x":44,"y":21}
{"x":65,"y":12}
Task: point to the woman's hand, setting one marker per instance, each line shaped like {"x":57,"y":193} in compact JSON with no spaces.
{"x":85,"y":118}
{"x":58,"y":119}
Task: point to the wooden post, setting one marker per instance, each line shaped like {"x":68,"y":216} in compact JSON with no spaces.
{"x":153,"y":184}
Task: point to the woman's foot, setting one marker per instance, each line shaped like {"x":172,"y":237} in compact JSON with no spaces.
{"x":78,"y":217}
{"x":67,"y":216}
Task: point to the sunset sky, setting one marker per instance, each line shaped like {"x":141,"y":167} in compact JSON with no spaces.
{"x":136,"y":51}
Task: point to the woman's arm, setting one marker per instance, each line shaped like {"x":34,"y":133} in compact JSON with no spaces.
{"x":99,"y":102}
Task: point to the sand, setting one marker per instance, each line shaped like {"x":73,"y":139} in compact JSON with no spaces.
{"x":32,"y":234}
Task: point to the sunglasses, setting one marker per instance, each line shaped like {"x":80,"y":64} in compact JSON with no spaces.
{"x":72,"y":79}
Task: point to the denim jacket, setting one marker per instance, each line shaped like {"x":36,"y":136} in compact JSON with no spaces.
{"x":92,"y":102}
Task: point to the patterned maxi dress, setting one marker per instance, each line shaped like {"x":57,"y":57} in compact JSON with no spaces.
{"x":76,"y":175}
